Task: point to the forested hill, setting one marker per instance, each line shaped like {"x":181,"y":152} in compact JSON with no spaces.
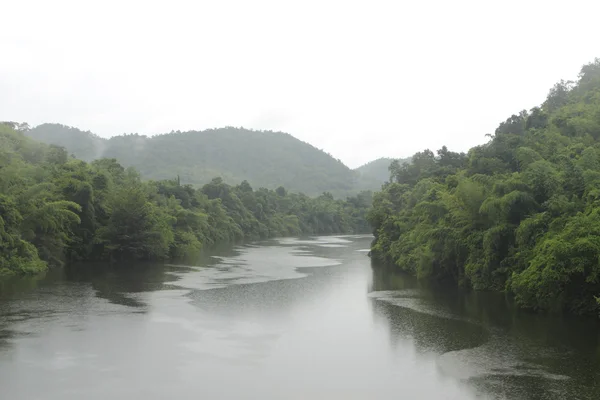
{"x":264,"y":158}
{"x":378,"y":170}
{"x":56,"y":209}
{"x":520,"y":213}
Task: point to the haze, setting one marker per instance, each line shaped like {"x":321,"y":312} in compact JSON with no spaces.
{"x":360,"y":80}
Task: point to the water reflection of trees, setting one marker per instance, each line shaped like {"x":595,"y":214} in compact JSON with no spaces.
{"x":9,"y":289}
{"x":415,"y":315}
{"x":120,"y":283}
{"x":529,"y":356}
{"x":26,"y":303}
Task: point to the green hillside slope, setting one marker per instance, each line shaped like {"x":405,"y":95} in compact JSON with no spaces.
{"x":264,"y":158}
{"x":378,"y":170}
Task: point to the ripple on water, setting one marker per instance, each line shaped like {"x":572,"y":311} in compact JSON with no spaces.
{"x":318,"y":241}
{"x":494,"y":363}
{"x":413,"y":299}
{"x":252,"y":265}
{"x":498,"y":367}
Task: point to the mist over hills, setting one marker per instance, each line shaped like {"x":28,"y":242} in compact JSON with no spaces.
{"x":264,"y":158}
{"x":378,"y":170}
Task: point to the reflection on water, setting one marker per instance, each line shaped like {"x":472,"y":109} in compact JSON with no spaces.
{"x":481,"y":338}
{"x":289,"y":318}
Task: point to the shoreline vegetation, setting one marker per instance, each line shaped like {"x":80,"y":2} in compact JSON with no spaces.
{"x":519,"y":214}
{"x":56,"y":209}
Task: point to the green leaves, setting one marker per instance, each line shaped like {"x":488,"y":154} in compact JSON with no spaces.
{"x":521,"y":213}
{"x":565,"y":264}
{"x":136,"y":227}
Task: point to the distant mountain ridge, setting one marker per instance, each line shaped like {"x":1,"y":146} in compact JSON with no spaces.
{"x":378,"y":170}
{"x":264,"y":158}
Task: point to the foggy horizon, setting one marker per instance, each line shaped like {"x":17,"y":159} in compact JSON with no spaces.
{"x":358,"y":80}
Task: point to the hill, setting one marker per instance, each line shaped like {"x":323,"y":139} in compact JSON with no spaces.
{"x":378,"y":170}
{"x":520,"y":213}
{"x":82,"y":144}
{"x":264,"y":158}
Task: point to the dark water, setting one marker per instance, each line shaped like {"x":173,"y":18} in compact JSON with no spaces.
{"x":284,"y":319}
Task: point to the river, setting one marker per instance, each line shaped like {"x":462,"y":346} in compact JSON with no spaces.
{"x":281,"y":319}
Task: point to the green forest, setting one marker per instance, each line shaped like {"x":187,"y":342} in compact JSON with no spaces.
{"x":264,"y":158}
{"x":519,"y":214}
{"x":57,"y":209}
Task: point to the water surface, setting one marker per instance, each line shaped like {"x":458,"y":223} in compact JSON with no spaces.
{"x":281,"y":319}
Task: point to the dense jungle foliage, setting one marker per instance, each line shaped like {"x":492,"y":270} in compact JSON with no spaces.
{"x":56,"y":209}
{"x":520,"y":213}
{"x":264,"y":158}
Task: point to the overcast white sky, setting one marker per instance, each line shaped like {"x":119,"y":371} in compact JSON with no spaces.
{"x":359,"y":79}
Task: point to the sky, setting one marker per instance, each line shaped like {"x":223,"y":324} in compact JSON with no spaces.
{"x":358,"y":79}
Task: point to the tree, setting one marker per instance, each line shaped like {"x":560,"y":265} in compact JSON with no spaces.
{"x":519,"y":213}
{"x":135,"y":228}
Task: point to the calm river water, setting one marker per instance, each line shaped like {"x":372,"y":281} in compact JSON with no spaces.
{"x":281,"y":319}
